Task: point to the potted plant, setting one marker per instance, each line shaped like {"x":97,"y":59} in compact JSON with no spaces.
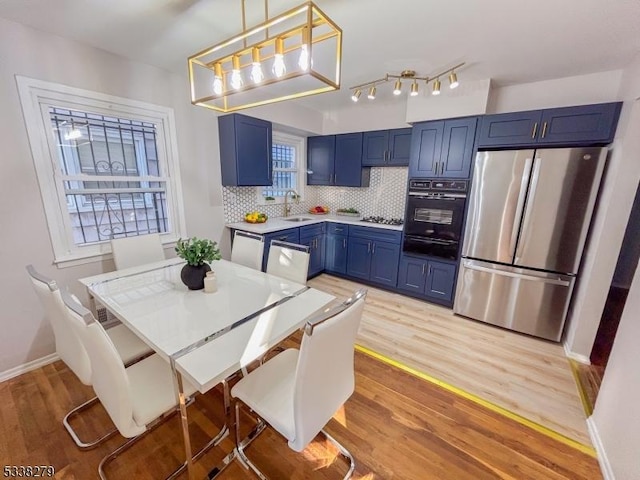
{"x":198,"y":253}
{"x":270,"y":199}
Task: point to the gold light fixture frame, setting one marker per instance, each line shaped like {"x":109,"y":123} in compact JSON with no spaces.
{"x":409,"y":75}
{"x":314,"y":18}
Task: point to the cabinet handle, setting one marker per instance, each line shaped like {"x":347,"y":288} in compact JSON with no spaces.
{"x":335,"y":178}
{"x":374,"y":248}
{"x":423,"y":265}
{"x":344,"y":243}
{"x":282,"y":239}
{"x":437,"y":167}
{"x":535,"y":130}
{"x":368,"y":247}
{"x":544,"y":129}
{"x":429,"y":273}
{"x":441,"y":168}
{"x":339,"y":229}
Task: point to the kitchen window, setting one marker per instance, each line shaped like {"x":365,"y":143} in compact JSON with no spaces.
{"x":107,"y":168}
{"x":288,"y":160}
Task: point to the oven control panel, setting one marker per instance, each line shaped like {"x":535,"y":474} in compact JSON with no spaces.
{"x":438,"y":186}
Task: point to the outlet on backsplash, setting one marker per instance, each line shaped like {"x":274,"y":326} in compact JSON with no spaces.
{"x":385,"y":197}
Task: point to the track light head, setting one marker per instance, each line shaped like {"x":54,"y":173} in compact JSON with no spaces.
{"x":453,"y":80}
{"x":356,"y":95}
{"x":436,"y":87}
{"x":372,"y":93}
{"x":397,"y":90}
{"x":414,"y":89}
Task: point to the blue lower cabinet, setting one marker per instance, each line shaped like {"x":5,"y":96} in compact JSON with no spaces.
{"x":427,"y":278}
{"x":384,"y":263}
{"x":316,"y":253}
{"x":291,"y":235}
{"x":335,"y":259}
{"x":359,"y":257}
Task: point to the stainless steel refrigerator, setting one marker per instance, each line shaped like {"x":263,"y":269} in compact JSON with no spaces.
{"x":527,"y":222}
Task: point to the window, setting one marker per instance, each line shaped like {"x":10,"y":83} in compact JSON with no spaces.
{"x":288,"y":168}
{"x":107,"y":167}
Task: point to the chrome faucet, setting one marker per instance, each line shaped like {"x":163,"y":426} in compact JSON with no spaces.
{"x":287,"y":207}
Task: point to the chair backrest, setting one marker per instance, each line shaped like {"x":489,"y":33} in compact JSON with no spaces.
{"x":109,"y":379}
{"x":288,"y":260}
{"x":248,"y":249}
{"x":68,"y":345}
{"x":325,"y":378}
{"x":134,"y":251}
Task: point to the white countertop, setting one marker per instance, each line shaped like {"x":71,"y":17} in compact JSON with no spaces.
{"x":281,"y":223}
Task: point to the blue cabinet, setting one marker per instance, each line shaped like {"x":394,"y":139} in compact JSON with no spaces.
{"x":291,"y":235}
{"x":373,"y":254}
{"x":386,"y":147}
{"x":313,"y":236}
{"x":336,"y":160}
{"x":581,"y":125}
{"x":336,"y":248}
{"x":443,"y":148}
{"x":245,"y":150}
{"x":427,"y":278}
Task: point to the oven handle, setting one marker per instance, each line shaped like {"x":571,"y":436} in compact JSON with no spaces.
{"x":438,"y":196}
{"x":435,"y":241}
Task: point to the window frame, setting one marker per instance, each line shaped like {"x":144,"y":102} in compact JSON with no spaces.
{"x":36,"y":97}
{"x":300,"y":144}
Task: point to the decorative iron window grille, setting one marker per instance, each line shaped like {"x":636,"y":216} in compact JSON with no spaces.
{"x":112,"y":179}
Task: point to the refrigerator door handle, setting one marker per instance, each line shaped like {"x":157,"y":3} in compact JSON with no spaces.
{"x":505,"y":273}
{"x":529,"y":207}
{"x":520,"y":205}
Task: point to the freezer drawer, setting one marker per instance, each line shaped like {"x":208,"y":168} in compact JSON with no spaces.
{"x":523,"y":300}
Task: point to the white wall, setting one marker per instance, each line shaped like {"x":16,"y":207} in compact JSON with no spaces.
{"x":366,"y":115}
{"x":617,"y":412}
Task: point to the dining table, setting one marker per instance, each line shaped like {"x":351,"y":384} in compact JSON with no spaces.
{"x":206,"y":337}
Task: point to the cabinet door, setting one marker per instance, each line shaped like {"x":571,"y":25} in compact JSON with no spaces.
{"x":348,"y":160}
{"x":440,"y":278}
{"x":359,"y":257}
{"x":426,"y":145}
{"x":336,"y":253}
{"x":384,"y":263}
{"x":579,"y":125}
{"x":399,"y":147}
{"x":291,"y":235}
{"x":320,"y":159}
{"x":316,"y":253}
{"x":412,"y":275}
{"x":510,"y":129}
{"x":457,"y":147}
{"x":374,"y":148}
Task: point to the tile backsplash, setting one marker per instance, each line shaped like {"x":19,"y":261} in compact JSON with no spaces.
{"x":385,"y":197}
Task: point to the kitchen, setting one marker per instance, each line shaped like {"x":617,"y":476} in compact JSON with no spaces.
{"x":201,"y":177}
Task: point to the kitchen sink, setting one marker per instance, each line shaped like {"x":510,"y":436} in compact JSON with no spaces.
{"x":297,"y":219}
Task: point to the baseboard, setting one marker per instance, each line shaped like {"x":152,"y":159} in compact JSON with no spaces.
{"x":576,"y":356}
{"x":605,"y":466}
{"x":27,"y":367}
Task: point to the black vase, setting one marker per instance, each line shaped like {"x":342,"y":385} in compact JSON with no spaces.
{"x":193,"y":276}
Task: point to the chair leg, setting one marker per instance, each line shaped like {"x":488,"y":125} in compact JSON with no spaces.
{"x":241,"y":445}
{"x":80,"y":443}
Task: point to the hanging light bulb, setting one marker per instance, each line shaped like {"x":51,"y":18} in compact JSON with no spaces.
{"x":436,"y":87}
{"x":236,"y":77}
{"x":453,"y":80}
{"x":414,"y":89}
{"x":397,"y":90}
{"x":372,"y":93}
{"x":256,"y":67}
{"x":303,"y":60}
{"x":356,"y":95}
{"x":217,"y":79}
{"x":279,"y":68}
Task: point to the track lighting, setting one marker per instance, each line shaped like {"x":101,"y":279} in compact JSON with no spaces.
{"x":409,"y":76}
{"x":398,"y":87}
{"x":436,"y":87}
{"x":453,"y":80}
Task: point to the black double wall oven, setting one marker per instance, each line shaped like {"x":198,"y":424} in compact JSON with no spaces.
{"x":435,"y":212}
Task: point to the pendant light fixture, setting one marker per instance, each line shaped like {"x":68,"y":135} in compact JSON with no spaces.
{"x":270,"y":62}
{"x":409,"y":75}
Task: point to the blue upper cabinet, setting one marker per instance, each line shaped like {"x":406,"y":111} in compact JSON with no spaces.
{"x":245,"y":150}
{"x":443,"y":148}
{"x":336,"y":160}
{"x":382,"y":148}
{"x":320,"y":159}
{"x":582,"y":125}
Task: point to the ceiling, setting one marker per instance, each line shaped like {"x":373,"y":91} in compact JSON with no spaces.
{"x":509,"y":41}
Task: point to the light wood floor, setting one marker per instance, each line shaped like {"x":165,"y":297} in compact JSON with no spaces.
{"x":398,"y":427}
{"x":525,"y":375}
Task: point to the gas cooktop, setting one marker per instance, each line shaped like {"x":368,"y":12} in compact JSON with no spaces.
{"x":384,"y":221}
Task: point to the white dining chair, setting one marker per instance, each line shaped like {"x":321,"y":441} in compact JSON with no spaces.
{"x":297,"y":392}
{"x":248,"y":249}
{"x":129,"y":347}
{"x":289,"y":261}
{"x":138,"y":250}
{"x":137,"y":398}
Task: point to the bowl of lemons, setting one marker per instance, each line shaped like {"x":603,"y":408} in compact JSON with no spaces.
{"x":255,"y":217}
